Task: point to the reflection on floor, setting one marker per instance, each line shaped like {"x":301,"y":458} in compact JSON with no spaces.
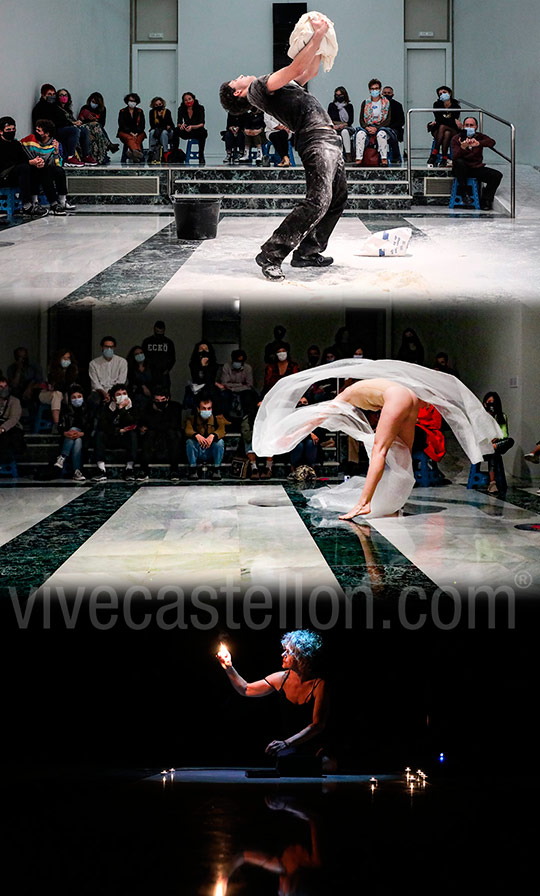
{"x":84,"y":260}
{"x":230,"y":536}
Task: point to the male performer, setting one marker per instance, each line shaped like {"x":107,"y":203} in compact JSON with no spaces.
{"x":308,"y":227}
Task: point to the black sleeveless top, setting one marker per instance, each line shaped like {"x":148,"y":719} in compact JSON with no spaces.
{"x":295,"y":716}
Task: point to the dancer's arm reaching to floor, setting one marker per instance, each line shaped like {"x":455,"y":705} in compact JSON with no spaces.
{"x":306,"y":64}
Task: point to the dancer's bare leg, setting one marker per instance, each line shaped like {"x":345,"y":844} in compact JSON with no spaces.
{"x":398,"y":419}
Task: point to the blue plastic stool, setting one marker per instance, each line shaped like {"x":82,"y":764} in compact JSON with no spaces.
{"x":10,"y":201}
{"x":9,"y":469}
{"x":43,"y":423}
{"x":457,"y":201}
{"x":192,"y":153}
{"x":480,"y":479}
{"x":426,"y":472}
{"x":268,"y":150}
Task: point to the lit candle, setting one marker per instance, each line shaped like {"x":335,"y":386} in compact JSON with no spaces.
{"x":224,"y":653}
{"x":407,"y":772}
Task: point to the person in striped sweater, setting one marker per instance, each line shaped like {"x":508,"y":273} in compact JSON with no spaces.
{"x":43,"y":146}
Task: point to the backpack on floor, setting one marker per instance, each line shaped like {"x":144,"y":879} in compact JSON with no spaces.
{"x":371,"y":157}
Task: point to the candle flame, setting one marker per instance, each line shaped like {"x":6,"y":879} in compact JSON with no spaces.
{"x":219,"y":889}
{"x":223,"y":652}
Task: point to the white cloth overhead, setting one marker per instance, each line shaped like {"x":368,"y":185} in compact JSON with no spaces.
{"x":280,"y":424}
{"x":302,"y":34}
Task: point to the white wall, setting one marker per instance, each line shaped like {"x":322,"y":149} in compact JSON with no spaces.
{"x":496,"y":66}
{"x":220,"y":40}
{"x":80,"y":46}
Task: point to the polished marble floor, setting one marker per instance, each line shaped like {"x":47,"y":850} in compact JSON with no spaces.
{"x":93,"y":259}
{"x":234,"y":539}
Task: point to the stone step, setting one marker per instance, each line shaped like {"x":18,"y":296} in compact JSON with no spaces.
{"x":276,"y":175}
{"x":355,"y":203}
{"x":296,"y":188}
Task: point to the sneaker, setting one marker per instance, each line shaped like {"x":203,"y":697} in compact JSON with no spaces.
{"x":58,"y":209}
{"x":193,"y":474}
{"x":254,"y":474}
{"x":266,"y":473}
{"x":90,"y":161}
{"x":73,"y":162}
{"x":492,"y":488}
{"x":78,"y":476}
{"x":129,"y":474}
{"x":466,"y":200}
{"x":142,"y":476}
{"x":101,"y":476}
{"x":432,"y":160}
{"x":270,"y":269}
{"x":216,"y":474}
{"x":35,"y":210}
{"x":228,"y":159}
{"x":174,"y":476}
{"x":69,"y":207}
{"x":311,"y":261}
{"x":137,"y":155}
{"x":532,"y":458}
{"x":113,"y":147}
{"x":59,"y":462}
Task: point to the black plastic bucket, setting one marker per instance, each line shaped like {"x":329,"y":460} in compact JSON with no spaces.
{"x":196,"y":219}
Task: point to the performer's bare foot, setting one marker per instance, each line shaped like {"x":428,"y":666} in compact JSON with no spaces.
{"x":360,"y":509}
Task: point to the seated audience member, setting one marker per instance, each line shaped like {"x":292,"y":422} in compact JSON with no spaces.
{"x":278,"y":135}
{"x":493,"y":405}
{"x":313,"y":356}
{"x":66,"y":132}
{"x":375,"y":118}
{"x":75,"y":426}
{"x":139,"y":377}
{"x":11,"y":432}
{"x":105,"y":371}
{"x":397,"y":117}
{"x":64,"y":101}
{"x":441,"y":363}
{"x":63,"y":371}
{"x":190,"y":123}
{"x":411,"y":349}
{"x":94,"y":113}
{"x":233,"y":136}
{"x":205,"y":432}
{"x":468,"y":161}
{"x":342,"y":347}
{"x":23,"y":376}
{"x":341,"y":111}
{"x":427,"y":433}
{"x":161,"y":127}
{"x":271,"y":348}
{"x":44,"y":148}
{"x":131,"y":127}
{"x":18,"y":170}
{"x":159,"y":432}
{"x":160,"y":353}
{"x":116,"y":427}
{"x":203,"y":368}
{"x":253,"y":127}
{"x":282,"y":366}
{"x":307,"y":450}
{"x":238,"y":393}
{"x":444,"y":127}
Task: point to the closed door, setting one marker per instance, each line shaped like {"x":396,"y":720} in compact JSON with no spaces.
{"x":155,"y":73}
{"x":427,"y":67}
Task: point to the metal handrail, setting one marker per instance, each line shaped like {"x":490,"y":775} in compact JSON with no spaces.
{"x":481,"y":112}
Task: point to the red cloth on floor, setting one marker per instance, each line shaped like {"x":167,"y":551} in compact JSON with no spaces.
{"x":430,"y":421}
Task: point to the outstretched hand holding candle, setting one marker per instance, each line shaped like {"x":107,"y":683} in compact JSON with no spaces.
{"x":224,"y":656}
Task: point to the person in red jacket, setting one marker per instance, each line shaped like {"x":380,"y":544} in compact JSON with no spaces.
{"x":467,"y":161}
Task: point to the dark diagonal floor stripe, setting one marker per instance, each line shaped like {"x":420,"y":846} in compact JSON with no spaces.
{"x":136,"y":278}
{"x":29,"y":559}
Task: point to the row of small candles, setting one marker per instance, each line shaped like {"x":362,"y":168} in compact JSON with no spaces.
{"x":417,"y":780}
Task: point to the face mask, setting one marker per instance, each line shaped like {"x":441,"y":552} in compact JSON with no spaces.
{"x":237,"y":365}
{"x":65,"y":363}
{"x":282,"y":356}
{"x":188,"y":102}
{"x":161,"y":403}
{"x":375,"y":93}
{"x":388,"y":96}
{"x":94,"y":105}
{"x":358,"y":356}
{"x":51,"y":99}
{"x":139,"y":357}
{"x":313,"y":359}
{"x":108,"y":353}
{"x":4,"y":392}
{"x":470,"y":132}
{"x":205,"y":414}
{"x":77,"y":402}
{"x":120,"y":399}
{"x":329,"y":359}
{"x":444,"y":97}
{"x":9,"y":135}
{"x":490,"y":408}
{"x":132,"y":104}
{"x":63,"y":99}
{"x":338,"y":99}
{"x":159,"y":108}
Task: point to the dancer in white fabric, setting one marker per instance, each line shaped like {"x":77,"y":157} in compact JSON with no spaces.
{"x":397,"y":389}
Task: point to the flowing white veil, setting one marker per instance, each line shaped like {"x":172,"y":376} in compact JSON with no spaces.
{"x":280,"y":424}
